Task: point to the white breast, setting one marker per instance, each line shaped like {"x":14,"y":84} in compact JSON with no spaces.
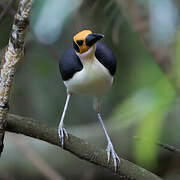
{"x":93,"y":79}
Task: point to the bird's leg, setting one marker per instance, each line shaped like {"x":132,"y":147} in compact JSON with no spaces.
{"x":110,"y":149}
{"x":61,"y":129}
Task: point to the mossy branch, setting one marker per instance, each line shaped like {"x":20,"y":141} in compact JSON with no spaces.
{"x":76,"y":146}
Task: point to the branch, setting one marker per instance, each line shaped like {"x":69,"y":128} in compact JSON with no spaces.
{"x":163,"y":145}
{"x":140,"y":21}
{"x":76,"y":146}
{"x":12,"y":57}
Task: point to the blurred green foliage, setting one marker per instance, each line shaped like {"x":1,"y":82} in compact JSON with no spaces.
{"x":142,"y":101}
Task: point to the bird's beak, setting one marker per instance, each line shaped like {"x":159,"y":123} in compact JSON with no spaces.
{"x":91,"y":39}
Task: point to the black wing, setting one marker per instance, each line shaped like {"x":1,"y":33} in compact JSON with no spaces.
{"x":106,"y":57}
{"x":69,"y":64}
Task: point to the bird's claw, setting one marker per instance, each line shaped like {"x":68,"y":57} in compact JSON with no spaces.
{"x":110,"y":152}
{"x":62,"y":133}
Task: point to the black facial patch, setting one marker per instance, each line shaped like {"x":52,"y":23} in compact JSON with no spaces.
{"x":80,"y":42}
{"x":76,"y":47}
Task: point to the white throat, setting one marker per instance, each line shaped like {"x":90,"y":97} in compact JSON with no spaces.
{"x":88,"y":54}
{"x":93,"y":79}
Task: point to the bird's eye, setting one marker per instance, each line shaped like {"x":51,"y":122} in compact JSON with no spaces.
{"x":80,"y":42}
{"x":76,"y":47}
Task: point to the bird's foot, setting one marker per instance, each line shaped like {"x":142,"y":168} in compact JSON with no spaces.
{"x":62,"y":134}
{"x":111,"y":153}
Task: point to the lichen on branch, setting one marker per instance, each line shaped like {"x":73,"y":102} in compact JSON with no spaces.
{"x":12,"y":57}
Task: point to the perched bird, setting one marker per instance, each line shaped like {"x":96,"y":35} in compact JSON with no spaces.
{"x":88,"y":68}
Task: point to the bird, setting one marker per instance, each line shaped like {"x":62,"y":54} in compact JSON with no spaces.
{"x":88,"y":67}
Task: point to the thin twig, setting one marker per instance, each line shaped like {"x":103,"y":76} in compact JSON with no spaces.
{"x":12,"y":57}
{"x":36,"y":160}
{"x":165,"y":146}
{"x":78,"y":147}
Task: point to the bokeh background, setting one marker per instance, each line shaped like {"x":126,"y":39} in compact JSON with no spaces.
{"x":144,"y":101}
